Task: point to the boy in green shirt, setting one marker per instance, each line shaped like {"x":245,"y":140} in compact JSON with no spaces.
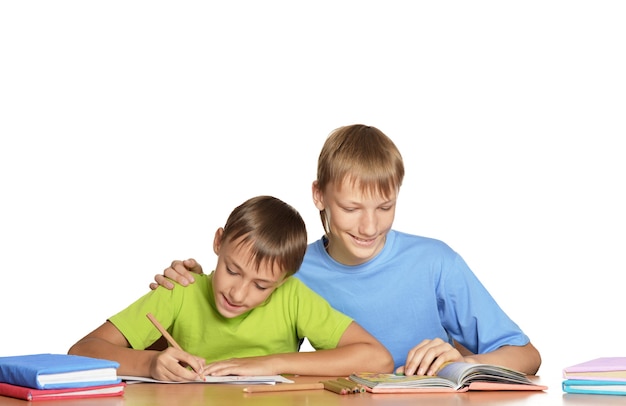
{"x":248,"y":317}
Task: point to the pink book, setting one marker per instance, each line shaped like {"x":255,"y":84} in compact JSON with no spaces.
{"x":611,"y":368}
{"x":31,"y":394}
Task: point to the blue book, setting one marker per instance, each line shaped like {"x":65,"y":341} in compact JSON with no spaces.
{"x":57,"y":371}
{"x":594,"y":387}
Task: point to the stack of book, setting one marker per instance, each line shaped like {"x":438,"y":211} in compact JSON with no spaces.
{"x":601,"y":376}
{"x":58,"y":376}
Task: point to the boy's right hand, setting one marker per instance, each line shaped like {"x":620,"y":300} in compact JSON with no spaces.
{"x":179,"y":271}
{"x":171,"y":365}
{"x":429,"y":356}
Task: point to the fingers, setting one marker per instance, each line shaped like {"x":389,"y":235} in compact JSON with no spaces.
{"x":163,"y":281}
{"x":198,"y":365}
{"x":172,"y":365}
{"x":224,"y":367}
{"x":240,"y":366}
{"x":214,"y":370}
{"x":429,"y":356}
{"x":178,"y":271}
{"x":192,"y":265}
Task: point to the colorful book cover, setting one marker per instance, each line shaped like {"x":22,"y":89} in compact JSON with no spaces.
{"x":57,"y":371}
{"x":606,"y":368}
{"x":594,"y":387}
{"x":25,"y":393}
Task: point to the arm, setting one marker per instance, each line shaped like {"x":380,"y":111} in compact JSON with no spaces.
{"x":429,"y":356}
{"x":179,"y":271}
{"x":109,"y":343}
{"x":468,"y":302}
{"x":357,"y":350}
{"x":524,"y":358}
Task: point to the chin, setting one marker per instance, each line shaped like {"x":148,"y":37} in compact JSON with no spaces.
{"x":364,"y":254}
{"x":229,"y":315}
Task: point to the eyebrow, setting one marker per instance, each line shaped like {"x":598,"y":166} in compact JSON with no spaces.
{"x":359,"y":203}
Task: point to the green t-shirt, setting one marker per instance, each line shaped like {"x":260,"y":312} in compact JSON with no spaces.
{"x":291,"y":313}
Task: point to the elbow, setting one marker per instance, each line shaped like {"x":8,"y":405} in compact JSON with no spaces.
{"x":535,"y":360}
{"x":80,"y":348}
{"x":389,"y":366}
{"x":375,"y":359}
{"x":74,"y":350}
{"x":385,"y":363}
{"x":527,"y":359}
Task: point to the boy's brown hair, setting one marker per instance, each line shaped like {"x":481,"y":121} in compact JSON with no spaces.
{"x":274,"y":231}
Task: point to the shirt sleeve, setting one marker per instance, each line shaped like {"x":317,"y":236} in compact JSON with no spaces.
{"x":135,"y":325}
{"x":471,"y":315}
{"x":315,"y":319}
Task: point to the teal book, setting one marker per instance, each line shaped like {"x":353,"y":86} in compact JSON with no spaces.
{"x":57,"y":371}
{"x":594,"y":387}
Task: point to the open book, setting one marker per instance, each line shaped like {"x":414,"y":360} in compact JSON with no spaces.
{"x":452,"y":377}
{"x":236,"y":379}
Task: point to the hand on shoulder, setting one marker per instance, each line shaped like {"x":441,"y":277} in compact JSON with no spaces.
{"x":179,"y":271}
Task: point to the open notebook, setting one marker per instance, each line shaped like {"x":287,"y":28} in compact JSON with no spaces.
{"x":234,"y":379}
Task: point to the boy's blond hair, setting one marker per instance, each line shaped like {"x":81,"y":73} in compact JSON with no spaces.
{"x":362,"y":155}
{"x":274,"y":231}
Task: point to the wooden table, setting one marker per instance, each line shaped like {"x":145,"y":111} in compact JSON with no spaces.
{"x":190,"y":394}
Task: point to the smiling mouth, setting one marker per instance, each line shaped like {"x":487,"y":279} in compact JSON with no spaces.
{"x":230,"y":304}
{"x":362,"y":241}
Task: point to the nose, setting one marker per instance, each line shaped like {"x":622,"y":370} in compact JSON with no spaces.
{"x":368,"y":223}
{"x":237,"y":293}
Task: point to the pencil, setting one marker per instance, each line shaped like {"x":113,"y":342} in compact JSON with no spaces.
{"x":169,"y":338}
{"x":163,"y":331}
{"x":353,"y":386}
{"x":283,"y":387}
{"x":336,"y":387}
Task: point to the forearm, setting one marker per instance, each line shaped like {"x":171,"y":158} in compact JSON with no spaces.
{"x":132,"y":362}
{"x":525,"y":358}
{"x":335,"y":362}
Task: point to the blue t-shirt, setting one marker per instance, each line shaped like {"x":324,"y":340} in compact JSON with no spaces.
{"x":416,"y":288}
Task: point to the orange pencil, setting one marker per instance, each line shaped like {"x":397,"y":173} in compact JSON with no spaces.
{"x":163,"y":331}
{"x":168,"y":337}
{"x":283,"y":387}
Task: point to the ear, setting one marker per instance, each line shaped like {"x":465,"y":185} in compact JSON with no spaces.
{"x":217,"y":240}
{"x":318,"y":196}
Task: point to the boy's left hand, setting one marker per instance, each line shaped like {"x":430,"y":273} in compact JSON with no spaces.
{"x":428,"y":357}
{"x":240,"y":366}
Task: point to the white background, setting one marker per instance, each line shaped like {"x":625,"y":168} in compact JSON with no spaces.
{"x":129,"y":130}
